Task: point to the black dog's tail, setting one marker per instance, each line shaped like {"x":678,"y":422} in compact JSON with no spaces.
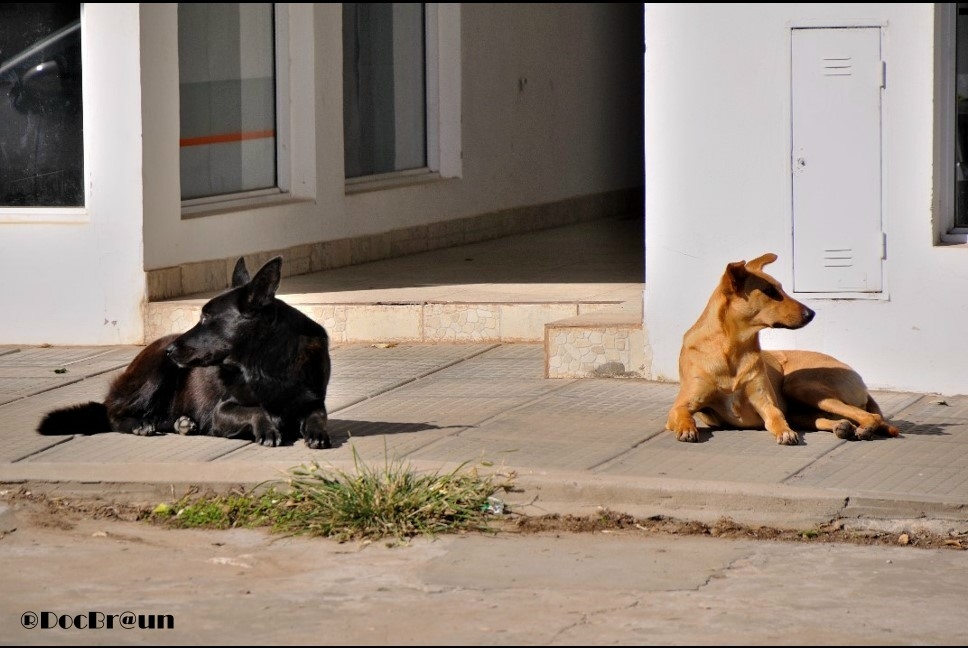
{"x":87,"y":418}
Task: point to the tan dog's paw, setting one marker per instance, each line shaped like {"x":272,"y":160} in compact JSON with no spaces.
{"x":845,"y":430}
{"x":788,"y":437}
{"x":881,"y":426}
{"x":688,"y":435}
{"x":681,"y":422}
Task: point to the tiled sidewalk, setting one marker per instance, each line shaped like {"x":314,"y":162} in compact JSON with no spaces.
{"x":573,"y":444}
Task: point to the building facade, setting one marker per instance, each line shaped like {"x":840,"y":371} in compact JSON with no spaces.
{"x":833,"y":136}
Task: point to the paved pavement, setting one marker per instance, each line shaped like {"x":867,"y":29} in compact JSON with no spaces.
{"x":572,"y":445}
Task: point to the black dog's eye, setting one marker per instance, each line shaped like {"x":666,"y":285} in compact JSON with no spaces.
{"x":202,"y":318}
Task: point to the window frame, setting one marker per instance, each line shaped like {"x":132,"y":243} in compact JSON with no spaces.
{"x":443,"y":106}
{"x":946,"y":115}
{"x":295,"y":129}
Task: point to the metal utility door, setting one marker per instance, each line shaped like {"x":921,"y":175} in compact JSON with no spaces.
{"x":838,"y":244}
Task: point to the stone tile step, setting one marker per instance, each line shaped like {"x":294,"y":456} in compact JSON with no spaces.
{"x":394,"y":320}
{"x":490,"y":291}
{"x":596,"y":344}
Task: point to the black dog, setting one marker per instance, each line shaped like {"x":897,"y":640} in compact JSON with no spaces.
{"x":252,"y":366}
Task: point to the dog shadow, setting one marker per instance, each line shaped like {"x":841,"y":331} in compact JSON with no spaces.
{"x":706,"y":434}
{"x":911,"y":428}
{"x":342,"y":430}
{"x":907,"y":428}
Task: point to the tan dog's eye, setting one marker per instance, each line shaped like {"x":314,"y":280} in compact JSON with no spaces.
{"x":772,"y":293}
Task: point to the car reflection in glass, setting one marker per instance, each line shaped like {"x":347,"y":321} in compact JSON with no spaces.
{"x":41,"y":123}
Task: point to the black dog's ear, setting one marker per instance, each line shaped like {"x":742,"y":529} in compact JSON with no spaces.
{"x":262,"y":289}
{"x":240,"y":276}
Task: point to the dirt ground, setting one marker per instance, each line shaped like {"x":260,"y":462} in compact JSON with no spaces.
{"x":42,"y":510}
{"x":607,"y":579}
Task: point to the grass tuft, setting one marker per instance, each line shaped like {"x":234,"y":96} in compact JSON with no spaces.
{"x":394,"y":501}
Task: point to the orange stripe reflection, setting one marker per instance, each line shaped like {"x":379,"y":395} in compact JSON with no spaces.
{"x":226,"y":137}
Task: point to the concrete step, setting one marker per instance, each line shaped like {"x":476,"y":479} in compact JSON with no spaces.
{"x":395,"y":318}
{"x":596,"y":344}
{"x":499,"y":290}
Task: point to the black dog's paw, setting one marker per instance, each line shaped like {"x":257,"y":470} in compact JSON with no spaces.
{"x":184,"y":426}
{"x":313,"y":430}
{"x":269,"y":436}
{"x":319,"y":443}
{"x":145,"y":429}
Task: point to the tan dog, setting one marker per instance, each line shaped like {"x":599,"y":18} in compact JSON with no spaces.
{"x":728,"y":381}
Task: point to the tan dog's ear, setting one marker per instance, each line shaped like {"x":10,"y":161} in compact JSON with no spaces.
{"x":734,"y":276}
{"x":756,"y":265}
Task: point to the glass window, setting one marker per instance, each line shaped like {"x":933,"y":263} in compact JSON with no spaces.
{"x":41,"y":113}
{"x":226,"y":68}
{"x":961,"y":110}
{"x":384,"y":88}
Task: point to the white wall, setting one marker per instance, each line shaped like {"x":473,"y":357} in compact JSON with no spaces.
{"x":719,"y":187}
{"x":548,"y":113}
{"x":65,"y":282}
